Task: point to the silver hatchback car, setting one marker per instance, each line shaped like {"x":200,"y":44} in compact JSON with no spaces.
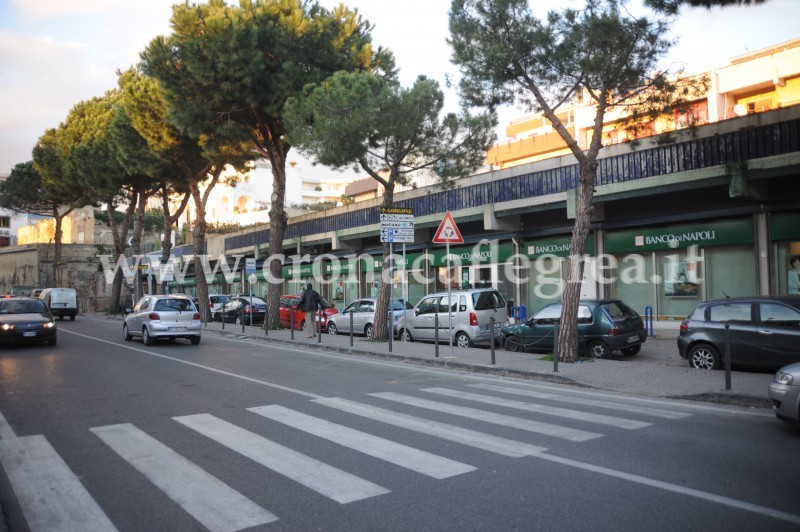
{"x":163,"y":317}
{"x":362,"y":313}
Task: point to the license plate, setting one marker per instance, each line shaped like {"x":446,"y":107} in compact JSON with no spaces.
{"x":29,"y":333}
{"x":634,"y":338}
{"x":177,"y":329}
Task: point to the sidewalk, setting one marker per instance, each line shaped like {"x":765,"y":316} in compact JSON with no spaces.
{"x":657,"y":371}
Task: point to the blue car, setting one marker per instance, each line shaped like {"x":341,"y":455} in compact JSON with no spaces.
{"x":604,"y":326}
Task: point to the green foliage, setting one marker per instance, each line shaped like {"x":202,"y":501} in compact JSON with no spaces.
{"x":672,"y":6}
{"x":23,"y":191}
{"x":357,"y":118}
{"x":153,"y":220}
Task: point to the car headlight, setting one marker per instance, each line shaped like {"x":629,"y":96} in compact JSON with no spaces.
{"x":6,"y":326}
{"x":49,"y":325}
{"x":783,"y":378}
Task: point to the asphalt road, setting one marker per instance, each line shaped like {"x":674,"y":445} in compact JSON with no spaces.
{"x":102,"y":434}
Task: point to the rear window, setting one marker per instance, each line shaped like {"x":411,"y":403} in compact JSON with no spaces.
{"x":175,"y":305}
{"x":487,"y":300}
{"x":618,"y":309}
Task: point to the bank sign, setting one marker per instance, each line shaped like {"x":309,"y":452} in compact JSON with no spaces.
{"x":681,"y":236}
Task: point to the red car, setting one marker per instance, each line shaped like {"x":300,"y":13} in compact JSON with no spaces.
{"x":289,"y":305}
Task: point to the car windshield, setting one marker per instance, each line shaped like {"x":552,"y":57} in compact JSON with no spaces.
{"x":399,"y":304}
{"x":21,"y":307}
{"x":174,"y":305}
{"x":256,"y":300}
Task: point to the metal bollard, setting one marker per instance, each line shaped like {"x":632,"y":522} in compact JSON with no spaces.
{"x":241,"y":316}
{"x":436,"y":333}
{"x":291,"y":321}
{"x":351,"y":329}
{"x":491,"y":324}
{"x":727,"y":356}
{"x":318,"y":324}
{"x":555,"y":348}
{"x":266,"y":321}
{"x":389,"y":326}
{"x":222,"y":316}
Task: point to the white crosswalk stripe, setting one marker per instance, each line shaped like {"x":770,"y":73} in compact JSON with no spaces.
{"x":542,"y":409}
{"x":203,"y":496}
{"x":609,"y":405}
{"x":326,"y":480}
{"x":468,"y":437}
{"x":50,"y":494}
{"x":402,"y":455}
{"x":547,"y":429}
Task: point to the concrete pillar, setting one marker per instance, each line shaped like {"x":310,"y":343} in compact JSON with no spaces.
{"x":762,"y":252}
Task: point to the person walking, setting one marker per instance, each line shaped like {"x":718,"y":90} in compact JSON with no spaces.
{"x":309,"y":302}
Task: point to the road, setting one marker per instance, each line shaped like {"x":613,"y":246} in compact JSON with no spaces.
{"x":103,"y":434}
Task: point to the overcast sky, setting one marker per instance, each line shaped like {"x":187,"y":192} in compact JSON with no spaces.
{"x":56,"y":53}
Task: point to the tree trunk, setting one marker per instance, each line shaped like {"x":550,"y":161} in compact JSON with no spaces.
{"x":381,"y":327}
{"x":568,"y":332}
{"x":199,"y":236}
{"x":120,"y":235}
{"x":277,"y":228}
{"x":57,"y":246}
{"x":169,"y":221}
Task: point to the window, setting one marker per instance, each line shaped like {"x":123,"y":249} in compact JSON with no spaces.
{"x":736,"y":312}
{"x":488,"y":300}
{"x":5,"y":221}
{"x":779,"y":315}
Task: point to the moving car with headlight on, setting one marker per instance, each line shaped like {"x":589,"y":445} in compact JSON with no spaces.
{"x":604,"y":326}
{"x":163,"y":317}
{"x":784,"y":390}
{"x":26,"y":319}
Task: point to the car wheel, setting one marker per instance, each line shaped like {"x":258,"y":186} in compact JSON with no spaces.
{"x":302,"y":325}
{"x":72,"y":318}
{"x":405,"y":336}
{"x":462,"y":340}
{"x":195,"y":340}
{"x":513,"y":344}
{"x":704,"y":356}
{"x":598,"y":349}
{"x":126,"y":334}
{"x":217,"y":316}
{"x":631,"y":350}
{"x":369,"y":331}
{"x":332,"y":329}
{"x":146,"y":338}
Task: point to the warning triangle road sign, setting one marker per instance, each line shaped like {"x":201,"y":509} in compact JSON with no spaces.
{"x":448,"y":232}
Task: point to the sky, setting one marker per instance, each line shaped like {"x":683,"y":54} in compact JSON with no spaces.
{"x":57,"y":53}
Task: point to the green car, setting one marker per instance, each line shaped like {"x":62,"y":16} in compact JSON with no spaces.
{"x":604,"y":326}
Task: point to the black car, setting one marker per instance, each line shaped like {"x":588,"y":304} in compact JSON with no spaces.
{"x":238,"y":308}
{"x":26,"y":319}
{"x":764,"y":332}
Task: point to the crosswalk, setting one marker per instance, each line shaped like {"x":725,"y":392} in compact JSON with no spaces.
{"x":53,"y":498}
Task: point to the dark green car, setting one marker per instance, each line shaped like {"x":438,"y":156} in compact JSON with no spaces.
{"x":604,"y":326}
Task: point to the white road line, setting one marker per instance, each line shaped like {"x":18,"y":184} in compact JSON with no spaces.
{"x":327,"y":480}
{"x":213,"y":503}
{"x":542,"y":409}
{"x":49,"y":493}
{"x":547,"y":429}
{"x":676,"y":488}
{"x":453,"y":433}
{"x":656,"y":412}
{"x":404,"y":456}
{"x":6,"y":432}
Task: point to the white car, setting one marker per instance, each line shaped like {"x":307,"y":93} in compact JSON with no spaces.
{"x":362,"y":312}
{"x":163,"y":317}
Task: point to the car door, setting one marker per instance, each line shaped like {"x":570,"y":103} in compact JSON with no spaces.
{"x":365,"y":313}
{"x":421,"y":323}
{"x":538,"y":331}
{"x":342,"y":320}
{"x":136,"y":318}
{"x":739,"y":316}
{"x":778,"y":335}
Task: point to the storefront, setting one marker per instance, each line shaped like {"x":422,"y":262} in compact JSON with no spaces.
{"x":548,"y":270}
{"x":672,"y":269}
{"x":486,"y":264}
{"x":784,"y":233}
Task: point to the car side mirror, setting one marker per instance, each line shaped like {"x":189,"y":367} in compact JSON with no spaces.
{"x":531,"y":321}
{"x":416,"y":312}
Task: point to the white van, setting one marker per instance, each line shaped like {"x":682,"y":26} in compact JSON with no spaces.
{"x":468,"y":311}
{"x":61,"y":301}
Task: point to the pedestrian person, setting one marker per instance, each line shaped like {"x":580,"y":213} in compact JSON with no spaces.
{"x":309,"y":303}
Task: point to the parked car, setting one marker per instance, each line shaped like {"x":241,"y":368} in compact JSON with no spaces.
{"x":239,"y":308}
{"x":362,"y":313}
{"x":61,"y":301}
{"x":215,"y":302}
{"x":764,"y":332}
{"x":604,"y":326}
{"x":289,"y":305}
{"x":157,"y":317}
{"x":784,"y":390}
{"x":469,"y":311}
{"x":35,"y":292}
{"x":26,"y":319}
